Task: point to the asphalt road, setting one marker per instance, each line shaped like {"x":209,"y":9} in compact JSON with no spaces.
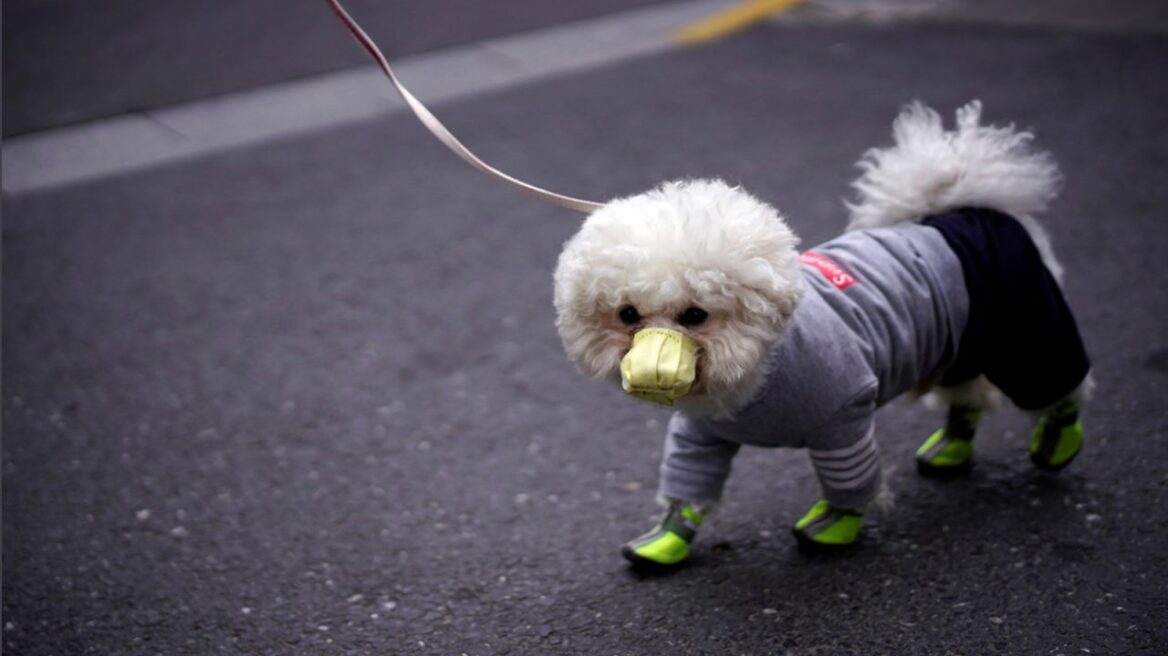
{"x":307,"y":398}
{"x":67,"y":61}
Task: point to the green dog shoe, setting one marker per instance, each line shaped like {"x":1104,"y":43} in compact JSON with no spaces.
{"x":942,"y":456}
{"x":668,"y":543}
{"x":949,"y":451}
{"x":1056,"y":441}
{"x":825,"y":528}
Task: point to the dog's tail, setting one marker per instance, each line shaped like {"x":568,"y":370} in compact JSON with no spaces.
{"x":930,"y":170}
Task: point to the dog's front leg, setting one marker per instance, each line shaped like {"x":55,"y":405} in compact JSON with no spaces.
{"x":694,"y":468}
{"x":849,"y":477}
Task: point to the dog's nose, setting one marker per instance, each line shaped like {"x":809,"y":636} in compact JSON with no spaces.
{"x":661,"y":366}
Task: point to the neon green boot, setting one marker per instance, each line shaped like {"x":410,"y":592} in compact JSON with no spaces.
{"x":1057,"y":439}
{"x":825,"y":528}
{"x":949,"y":451}
{"x":668,"y":543}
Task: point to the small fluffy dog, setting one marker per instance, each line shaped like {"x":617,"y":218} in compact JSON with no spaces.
{"x":694,"y":295}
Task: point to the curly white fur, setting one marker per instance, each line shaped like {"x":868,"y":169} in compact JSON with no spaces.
{"x":930,"y":170}
{"x":696,"y":243}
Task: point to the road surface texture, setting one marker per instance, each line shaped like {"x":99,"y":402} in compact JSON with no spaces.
{"x":307,"y":397}
{"x":67,"y":61}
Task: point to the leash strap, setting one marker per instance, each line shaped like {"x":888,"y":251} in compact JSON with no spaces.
{"x":438,"y":130}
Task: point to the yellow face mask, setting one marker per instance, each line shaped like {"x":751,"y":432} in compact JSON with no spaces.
{"x":661,"y":366}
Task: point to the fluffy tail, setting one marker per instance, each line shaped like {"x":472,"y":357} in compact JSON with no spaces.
{"x":929,"y":170}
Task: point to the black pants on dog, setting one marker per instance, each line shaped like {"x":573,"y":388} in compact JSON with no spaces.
{"x":1020,"y":334}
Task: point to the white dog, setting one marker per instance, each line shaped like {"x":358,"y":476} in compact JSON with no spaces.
{"x":693,"y":294}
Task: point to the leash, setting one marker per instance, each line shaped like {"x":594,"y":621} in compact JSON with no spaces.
{"x":438,"y":130}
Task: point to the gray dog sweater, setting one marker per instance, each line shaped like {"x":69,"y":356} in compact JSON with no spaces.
{"x":883,"y":310}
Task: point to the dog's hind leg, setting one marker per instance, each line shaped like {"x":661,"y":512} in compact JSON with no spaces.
{"x":949,"y":450}
{"x":1058,"y":433}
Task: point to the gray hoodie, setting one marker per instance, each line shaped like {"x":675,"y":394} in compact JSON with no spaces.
{"x":884,"y":310}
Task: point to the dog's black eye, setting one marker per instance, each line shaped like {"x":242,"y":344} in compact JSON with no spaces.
{"x":693,"y":316}
{"x":629,"y":315}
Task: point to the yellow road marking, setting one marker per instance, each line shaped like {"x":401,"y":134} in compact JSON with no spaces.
{"x":738,"y":17}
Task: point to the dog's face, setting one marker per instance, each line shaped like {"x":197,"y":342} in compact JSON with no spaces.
{"x":697,"y":258}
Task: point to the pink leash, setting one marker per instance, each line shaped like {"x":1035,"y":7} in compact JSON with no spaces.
{"x":438,"y":130}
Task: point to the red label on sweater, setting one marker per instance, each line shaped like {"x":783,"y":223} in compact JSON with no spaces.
{"x":834,"y":273}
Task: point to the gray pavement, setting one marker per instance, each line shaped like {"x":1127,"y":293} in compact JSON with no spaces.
{"x":307,"y":398}
{"x":164,"y":135}
{"x":1123,"y":16}
{"x":67,"y":61}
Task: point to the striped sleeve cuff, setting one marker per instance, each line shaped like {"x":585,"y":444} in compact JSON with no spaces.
{"x":850,"y":475}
